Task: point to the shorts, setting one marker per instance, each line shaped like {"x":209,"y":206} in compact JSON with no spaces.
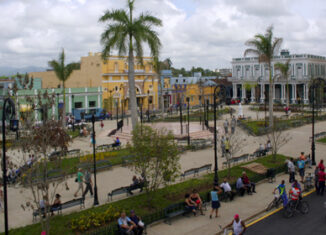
{"x":216,"y":204}
{"x":301,"y":172}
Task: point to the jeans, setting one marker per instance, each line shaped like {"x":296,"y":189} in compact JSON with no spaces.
{"x":321,"y":187}
{"x":88,"y":188}
{"x":292,"y":178}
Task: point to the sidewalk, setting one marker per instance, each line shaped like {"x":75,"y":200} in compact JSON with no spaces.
{"x":245,"y":206}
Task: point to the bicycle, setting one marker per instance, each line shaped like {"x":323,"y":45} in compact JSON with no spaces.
{"x":296,"y":206}
{"x":275,"y":203}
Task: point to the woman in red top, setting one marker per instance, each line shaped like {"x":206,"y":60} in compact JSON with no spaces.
{"x":321,"y":165}
{"x":321,"y":181}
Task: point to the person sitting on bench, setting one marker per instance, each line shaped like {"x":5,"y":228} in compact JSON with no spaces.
{"x":190,"y":204}
{"x":240,"y":187}
{"x":126,"y":225}
{"x":135,"y":184}
{"x":56,"y":204}
{"x":227,"y":189}
{"x":116,"y":143}
{"x":195,"y":197}
{"x":249,"y":185}
{"x":137,"y":220}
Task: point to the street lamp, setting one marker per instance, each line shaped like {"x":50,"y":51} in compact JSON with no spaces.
{"x":8,"y":113}
{"x":148,"y":106}
{"x":188,"y":100}
{"x":221,"y":93}
{"x":180,"y":106}
{"x":122,"y":107}
{"x":94,"y":158}
{"x":316,"y":83}
{"x":73,"y":113}
{"x":117,"y":106}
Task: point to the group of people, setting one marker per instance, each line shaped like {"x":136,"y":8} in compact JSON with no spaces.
{"x":232,"y":123}
{"x":132,"y":225}
{"x":302,"y":162}
{"x":45,"y":206}
{"x":81,"y":179}
{"x":244,"y":184}
{"x":295,"y":193}
{"x":136,"y":183}
{"x":14,"y":171}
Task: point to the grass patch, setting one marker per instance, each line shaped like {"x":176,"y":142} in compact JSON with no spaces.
{"x":322,"y":140}
{"x":162,"y":198}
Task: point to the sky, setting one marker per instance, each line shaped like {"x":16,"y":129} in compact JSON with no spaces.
{"x":200,"y":33}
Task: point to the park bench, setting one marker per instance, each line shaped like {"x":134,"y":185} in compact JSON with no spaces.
{"x":235,"y":160}
{"x":73,"y":152}
{"x":192,"y":171}
{"x":118,"y":191}
{"x":102,"y":164}
{"x":75,"y":202}
{"x":207,"y":168}
{"x":127,"y":160}
{"x":103,"y":147}
{"x":243,"y":157}
{"x":52,"y":156}
{"x":174,"y":211}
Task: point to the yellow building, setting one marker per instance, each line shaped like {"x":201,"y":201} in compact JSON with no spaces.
{"x":112,"y":76}
{"x":115,"y":83}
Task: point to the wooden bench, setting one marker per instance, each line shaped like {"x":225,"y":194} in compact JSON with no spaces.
{"x":192,"y":171}
{"x":127,"y":160}
{"x":207,"y":168}
{"x":103,"y":147}
{"x":65,"y":205}
{"x":101,"y":164}
{"x":174,"y":211}
{"x":73,"y":152}
{"x":118,"y":191}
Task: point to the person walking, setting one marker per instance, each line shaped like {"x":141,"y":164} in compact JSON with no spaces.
{"x":227,"y":146}
{"x":223,"y":146}
{"x":301,"y":166}
{"x":79,"y":180}
{"x":321,"y":182}
{"x":102,"y":124}
{"x":291,"y":170}
{"x":215,"y":202}
{"x":88,"y":182}
{"x":226,"y":126}
{"x":233,"y":124}
{"x":237,"y":225}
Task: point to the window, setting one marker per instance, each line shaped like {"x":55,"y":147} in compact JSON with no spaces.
{"x":116,"y":88}
{"x":176,"y":80}
{"x":91,"y":104}
{"x":150,"y":86}
{"x":116,"y":67}
{"x":150,"y":99}
{"x":78,"y":105}
{"x":184,"y":80}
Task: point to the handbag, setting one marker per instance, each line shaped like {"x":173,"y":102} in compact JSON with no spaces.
{"x":76,"y":180}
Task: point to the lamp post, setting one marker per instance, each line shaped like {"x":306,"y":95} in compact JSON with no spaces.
{"x":141,"y":114}
{"x":117,"y":106}
{"x":148,"y":106}
{"x":315,"y":84}
{"x":220,"y":94}
{"x":73,"y":113}
{"x":110,"y":91}
{"x":188,"y":101}
{"x":8,"y":113}
{"x":180,"y":106}
{"x":122,"y":116}
{"x":94,"y":159}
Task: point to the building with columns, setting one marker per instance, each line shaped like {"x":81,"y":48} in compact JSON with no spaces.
{"x":250,"y":78}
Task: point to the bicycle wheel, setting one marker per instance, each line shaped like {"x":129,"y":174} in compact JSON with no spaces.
{"x":270,"y":206}
{"x":288,"y":212}
{"x":278,"y":202}
{"x":304,"y":207}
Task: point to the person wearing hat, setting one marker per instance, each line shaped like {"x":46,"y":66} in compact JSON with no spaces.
{"x":139,"y":223}
{"x":238,"y":225}
{"x":79,"y":180}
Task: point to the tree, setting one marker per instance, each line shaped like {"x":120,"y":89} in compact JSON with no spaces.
{"x":265,"y":47}
{"x":277,"y":138}
{"x":156,"y":158}
{"x":285,"y":72}
{"x":39,"y":141}
{"x":125,"y":33}
{"x":63,"y":73}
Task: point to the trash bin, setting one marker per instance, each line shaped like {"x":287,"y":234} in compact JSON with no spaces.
{"x":271,"y":172}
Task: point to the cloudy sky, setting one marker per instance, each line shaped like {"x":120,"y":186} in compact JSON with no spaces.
{"x":206,"y":33}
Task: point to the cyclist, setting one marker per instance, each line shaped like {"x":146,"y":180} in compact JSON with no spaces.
{"x":294,"y":195}
{"x":282,"y":192}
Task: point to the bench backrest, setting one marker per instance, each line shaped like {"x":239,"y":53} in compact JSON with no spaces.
{"x":119,"y":191}
{"x":190,"y":171}
{"x":174,"y":207}
{"x":205,"y":167}
{"x":74,"y":202}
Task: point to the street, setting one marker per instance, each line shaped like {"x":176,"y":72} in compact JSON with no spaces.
{"x":313,"y":223}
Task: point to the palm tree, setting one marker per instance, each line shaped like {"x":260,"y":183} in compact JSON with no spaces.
{"x":127,"y":34}
{"x":285,"y":71}
{"x":265,"y":47}
{"x":63,"y":73}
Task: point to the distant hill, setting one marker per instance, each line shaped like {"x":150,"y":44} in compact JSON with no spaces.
{"x":9,"y":71}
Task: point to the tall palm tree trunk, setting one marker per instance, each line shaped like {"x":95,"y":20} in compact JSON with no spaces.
{"x":287,"y":94}
{"x":270,"y":103}
{"x":132,"y":92}
{"x":64,"y":104}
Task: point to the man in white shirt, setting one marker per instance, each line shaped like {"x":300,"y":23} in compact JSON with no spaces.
{"x":227,"y":189}
{"x":291,"y":170}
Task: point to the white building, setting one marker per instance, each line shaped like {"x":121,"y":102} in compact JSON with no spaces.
{"x":248,"y":70}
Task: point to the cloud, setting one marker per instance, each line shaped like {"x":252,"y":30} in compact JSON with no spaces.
{"x":206,"y":33}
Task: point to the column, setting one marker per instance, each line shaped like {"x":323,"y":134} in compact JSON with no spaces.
{"x":243,"y":92}
{"x":305,"y":94}
{"x":283,"y":92}
{"x":274,"y":91}
{"x":86,"y":100}
{"x":262,"y":93}
{"x":235,"y":90}
{"x":294,"y":94}
{"x":253,"y":94}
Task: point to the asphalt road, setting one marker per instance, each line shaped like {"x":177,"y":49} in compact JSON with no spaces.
{"x":313,"y":223}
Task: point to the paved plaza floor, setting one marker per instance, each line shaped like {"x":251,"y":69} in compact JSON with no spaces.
{"x":121,"y":176}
